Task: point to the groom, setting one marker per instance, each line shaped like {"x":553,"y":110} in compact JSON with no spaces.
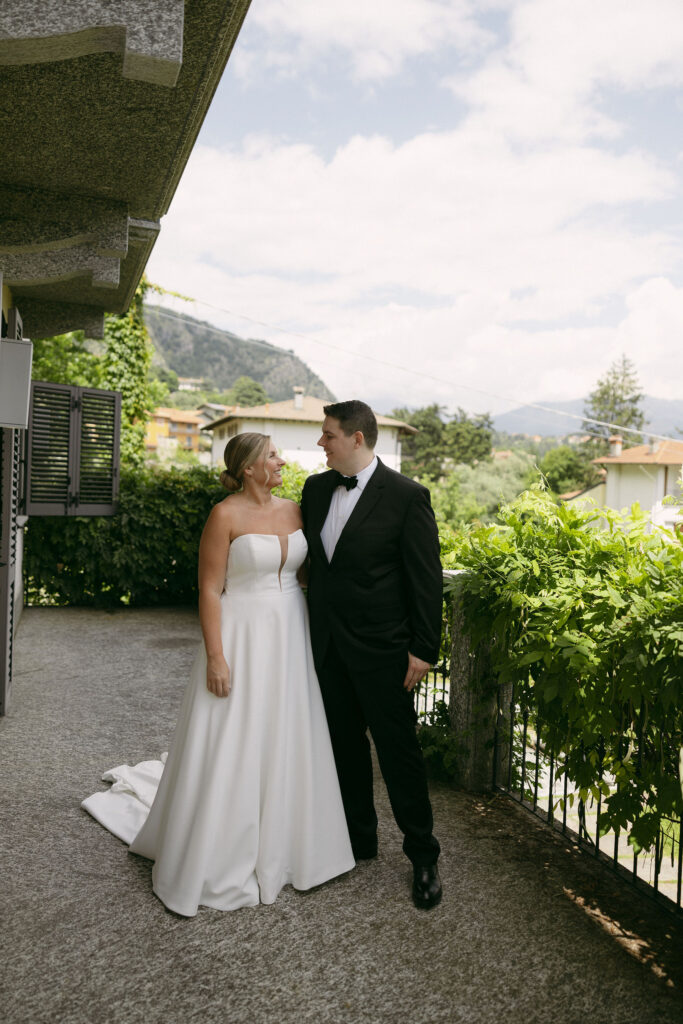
{"x":375,"y":592}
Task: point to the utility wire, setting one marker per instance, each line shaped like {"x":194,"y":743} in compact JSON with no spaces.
{"x":407,"y":369}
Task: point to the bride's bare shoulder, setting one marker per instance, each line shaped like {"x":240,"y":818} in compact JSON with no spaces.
{"x":222,"y":513}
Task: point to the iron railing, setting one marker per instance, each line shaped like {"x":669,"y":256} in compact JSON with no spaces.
{"x":433,"y":688}
{"x":535,"y":778}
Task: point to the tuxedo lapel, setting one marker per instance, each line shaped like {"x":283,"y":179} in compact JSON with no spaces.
{"x":372,"y":492}
{"x":320,"y":510}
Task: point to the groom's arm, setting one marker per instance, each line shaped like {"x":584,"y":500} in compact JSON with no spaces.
{"x":421,"y":556}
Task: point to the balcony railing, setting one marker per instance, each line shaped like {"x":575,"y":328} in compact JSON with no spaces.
{"x":537,"y":779}
{"x":502,"y":748}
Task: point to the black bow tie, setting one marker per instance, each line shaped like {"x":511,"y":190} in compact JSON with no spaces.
{"x":349,"y":482}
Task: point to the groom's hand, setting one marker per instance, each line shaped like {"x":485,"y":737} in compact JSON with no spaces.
{"x":417,"y":670}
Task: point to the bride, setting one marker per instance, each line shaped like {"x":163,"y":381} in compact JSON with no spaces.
{"x":248,"y":798}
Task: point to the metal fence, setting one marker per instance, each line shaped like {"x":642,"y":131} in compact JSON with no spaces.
{"x":433,"y":688}
{"x":535,"y":778}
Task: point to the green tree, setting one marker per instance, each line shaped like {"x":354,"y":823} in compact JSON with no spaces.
{"x":246,"y":392}
{"x":462,"y":439}
{"x":165,"y":376}
{"x":494,"y":482}
{"x":193,"y":399}
{"x":616,"y":400}
{"x":468,"y":438}
{"x":567,"y":469}
{"x":422,"y":454}
{"x":65,"y":359}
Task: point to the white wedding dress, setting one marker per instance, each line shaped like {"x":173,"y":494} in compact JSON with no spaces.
{"x":248,"y":800}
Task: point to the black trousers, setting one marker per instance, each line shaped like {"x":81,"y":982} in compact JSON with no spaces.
{"x":357,"y":699}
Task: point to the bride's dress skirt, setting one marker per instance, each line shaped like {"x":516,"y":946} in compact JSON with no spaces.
{"x":248,"y":799}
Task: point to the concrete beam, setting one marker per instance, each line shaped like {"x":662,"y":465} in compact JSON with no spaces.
{"x":148,"y":33}
{"x":46,"y":237}
{"x":32,"y":220}
{"x":45,"y":319}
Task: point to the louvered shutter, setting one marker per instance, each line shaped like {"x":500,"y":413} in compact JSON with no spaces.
{"x":98,"y":453}
{"x":72,"y":463}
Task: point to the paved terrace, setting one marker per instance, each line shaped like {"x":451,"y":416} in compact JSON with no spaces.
{"x":529,"y":929}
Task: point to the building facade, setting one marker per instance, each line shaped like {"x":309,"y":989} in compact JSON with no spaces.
{"x":177,"y":425}
{"x":646,"y":474}
{"x":295,"y":426}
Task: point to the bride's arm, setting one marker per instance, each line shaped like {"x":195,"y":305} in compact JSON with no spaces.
{"x":213,"y":559}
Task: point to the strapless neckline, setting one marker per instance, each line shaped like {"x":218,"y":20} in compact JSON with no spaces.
{"x":288,"y":535}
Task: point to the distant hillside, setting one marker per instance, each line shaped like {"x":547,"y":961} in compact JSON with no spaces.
{"x":193,"y":348}
{"x":663,"y":416}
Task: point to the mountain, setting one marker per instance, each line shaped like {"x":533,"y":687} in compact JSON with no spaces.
{"x":194,"y":348}
{"x":662,"y":415}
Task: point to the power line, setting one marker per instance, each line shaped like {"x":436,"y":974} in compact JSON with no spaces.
{"x":410,"y":370}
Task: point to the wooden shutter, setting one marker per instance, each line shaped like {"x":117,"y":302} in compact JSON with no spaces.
{"x":72,"y":462}
{"x":10,"y":460}
{"x":97,"y":442}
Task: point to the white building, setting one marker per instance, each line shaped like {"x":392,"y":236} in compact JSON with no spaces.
{"x":295,"y":426}
{"x":646,"y":474}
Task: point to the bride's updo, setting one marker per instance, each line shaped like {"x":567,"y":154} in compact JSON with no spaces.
{"x":241,"y":451}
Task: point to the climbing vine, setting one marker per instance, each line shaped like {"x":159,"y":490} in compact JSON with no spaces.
{"x":126,"y":363}
{"x":585,"y":611}
{"x":120,"y":363}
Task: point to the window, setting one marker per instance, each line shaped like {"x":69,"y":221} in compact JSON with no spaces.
{"x":72,"y":466}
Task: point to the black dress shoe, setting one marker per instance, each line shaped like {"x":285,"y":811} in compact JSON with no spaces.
{"x":427,"y":889}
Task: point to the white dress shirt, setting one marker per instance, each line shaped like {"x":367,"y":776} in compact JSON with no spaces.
{"x":342,"y":505}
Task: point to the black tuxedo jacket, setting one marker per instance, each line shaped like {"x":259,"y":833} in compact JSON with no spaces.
{"x":381,"y":594}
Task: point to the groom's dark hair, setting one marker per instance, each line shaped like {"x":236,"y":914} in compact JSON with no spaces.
{"x":353,"y":416}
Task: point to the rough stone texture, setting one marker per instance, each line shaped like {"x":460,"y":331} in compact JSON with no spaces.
{"x":43,"y":319}
{"x":74,"y":241}
{"x":48,"y":308}
{"x":59,"y":222}
{"x":529,"y":931}
{"x":149,"y":34}
{"x":474,"y":716}
{"x":44,"y":267}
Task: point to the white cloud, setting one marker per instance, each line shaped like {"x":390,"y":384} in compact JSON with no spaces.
{"x":478,"y":255}
{"x":546,"y":82}
{"x":375,"y":38}
{"x":442,"y":214}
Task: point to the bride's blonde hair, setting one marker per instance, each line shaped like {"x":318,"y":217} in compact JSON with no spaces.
{"x":241,"y":451}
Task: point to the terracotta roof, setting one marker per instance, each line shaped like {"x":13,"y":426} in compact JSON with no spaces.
{"x":176,"y":415}
{"x":667,"y":453}
{"x":310,"y":412}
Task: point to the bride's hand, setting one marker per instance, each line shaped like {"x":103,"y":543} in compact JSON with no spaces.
{"x":218,"y":676}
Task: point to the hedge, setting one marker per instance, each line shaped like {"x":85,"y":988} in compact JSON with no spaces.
{"x":144,"y":555}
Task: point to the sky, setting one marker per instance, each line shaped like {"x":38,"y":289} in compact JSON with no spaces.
{"x":472,"y":202}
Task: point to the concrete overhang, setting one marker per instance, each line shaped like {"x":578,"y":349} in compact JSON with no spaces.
{"x":100,"y":107}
